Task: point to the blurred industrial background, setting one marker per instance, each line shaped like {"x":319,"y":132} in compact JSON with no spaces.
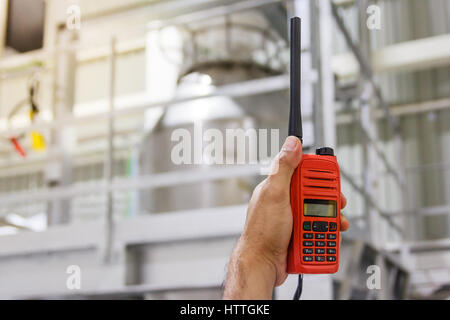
{"x":90,"y":92}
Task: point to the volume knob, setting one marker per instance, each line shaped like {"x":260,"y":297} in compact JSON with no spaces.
{"x":325,"y":151}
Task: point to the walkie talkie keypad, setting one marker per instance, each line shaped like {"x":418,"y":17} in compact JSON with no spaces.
{"x":320,"y":226}
{"x":307,"y":226}
{"x":320,"y":258}
{"x":318,"y":248}
{"x":333,"y":226}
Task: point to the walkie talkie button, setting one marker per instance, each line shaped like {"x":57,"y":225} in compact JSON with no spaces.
{"x":308,"y":243}
{"x":307,"y":236}
{"x":320,"y":243}
{"x":331,"y":251}
{"x":320,"y":251}
{"x":320,"y":226}
{"x":307,"y":258}
{"x":331,"y":243}
{"x":333,"y":226}
{"x":307,"y":226}
{"x":308,"y":251}
{"x":331,"y":236}
{"x":331,"y":258}
{"x":320,"y":258}
{"x":320,"y":235}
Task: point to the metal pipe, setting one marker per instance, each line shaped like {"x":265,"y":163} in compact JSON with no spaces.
{"x":109,"y":162}
{"x":212,"y":13}
{"x":326,"y":83}
{"x":240,"y":89}
{"x":143,"y":182}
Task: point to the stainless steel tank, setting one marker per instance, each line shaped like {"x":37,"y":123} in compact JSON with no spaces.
{"x":199,"y":72}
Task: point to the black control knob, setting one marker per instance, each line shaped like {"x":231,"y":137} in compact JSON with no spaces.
{"x":325,"y":151}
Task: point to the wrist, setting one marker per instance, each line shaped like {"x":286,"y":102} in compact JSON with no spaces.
{"x":255,"y":255}
{"x":258,"y":258}
{"x":267,"y":257}
{"x":250,"y":275}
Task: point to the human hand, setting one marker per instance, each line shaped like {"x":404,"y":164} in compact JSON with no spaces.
{"x":261,"y":252}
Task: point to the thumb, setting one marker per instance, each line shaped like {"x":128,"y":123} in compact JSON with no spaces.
{"x":286,"y":161}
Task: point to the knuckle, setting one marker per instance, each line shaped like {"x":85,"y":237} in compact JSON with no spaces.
{"x":265,"y":189}
{"x":277,"y":192}
{"x":258,"y":189}
{"x":270,"y":190}
{"x":282,"y":159}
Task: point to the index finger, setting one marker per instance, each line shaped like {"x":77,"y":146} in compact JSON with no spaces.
{"x":343,"y":201}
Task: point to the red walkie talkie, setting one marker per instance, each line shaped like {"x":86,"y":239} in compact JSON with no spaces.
{"x":315,"y":191}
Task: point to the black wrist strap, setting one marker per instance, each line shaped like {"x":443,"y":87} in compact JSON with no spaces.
{"x":298,"y":291}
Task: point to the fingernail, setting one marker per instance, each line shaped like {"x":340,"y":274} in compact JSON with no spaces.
{"x":290,"y":144}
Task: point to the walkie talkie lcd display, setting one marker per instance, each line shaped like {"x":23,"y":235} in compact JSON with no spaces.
{"x":315,"y":191}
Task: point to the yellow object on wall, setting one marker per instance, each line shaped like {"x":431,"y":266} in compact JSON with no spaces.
{"x":37,"y":141}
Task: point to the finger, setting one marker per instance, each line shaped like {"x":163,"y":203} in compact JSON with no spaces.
{"x":286,"y":161}
{"x":343,"y":201}
{"x":345,"y":224}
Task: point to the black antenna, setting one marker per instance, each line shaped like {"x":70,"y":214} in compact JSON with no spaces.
{"x":295,"y":114}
